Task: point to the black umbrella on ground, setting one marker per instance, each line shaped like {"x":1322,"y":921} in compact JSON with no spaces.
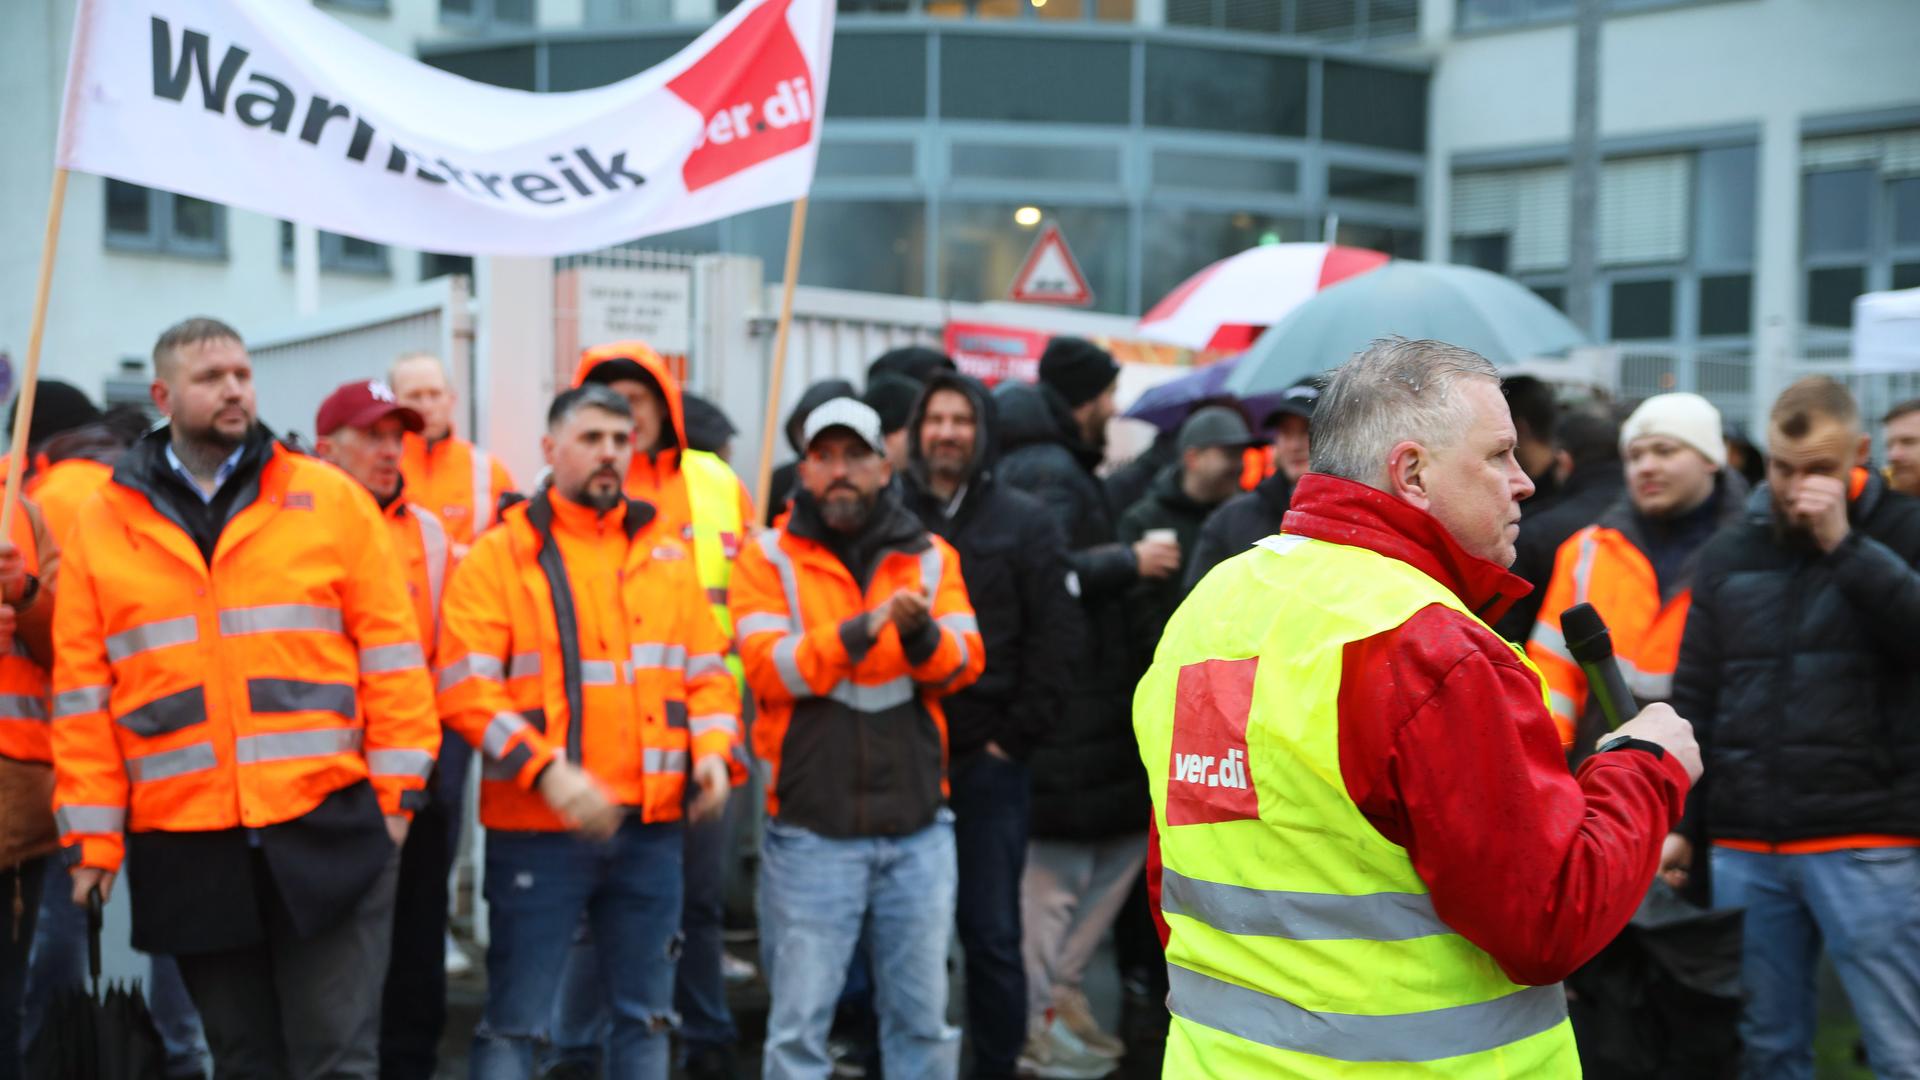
{"x":91,"y":1035}
{"x":1662,"y":1000}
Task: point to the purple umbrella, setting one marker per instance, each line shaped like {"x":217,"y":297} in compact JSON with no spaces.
{"x":1167,"y":405}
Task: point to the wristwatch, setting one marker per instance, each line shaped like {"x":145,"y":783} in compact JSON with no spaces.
{"x":27,"y":592}
{"x":1628,"y":742}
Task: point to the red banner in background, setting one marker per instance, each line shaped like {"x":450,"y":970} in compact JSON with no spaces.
{"x":994,"y":354}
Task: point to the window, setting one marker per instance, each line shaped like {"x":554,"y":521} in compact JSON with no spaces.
{"x":1180,"y":243}
{"x":1527,"y":208}
{"x":434,"y":264}
{"x":1401,"y":189}
{"x":1217,"y":90}
{"x":1837,"y":208}
{"x":1726,"y":305}
{"x":345,"y":254}
{"x":1830,"y":293}
{"x":510,"y":66}
{"x":870,"y":246}
{"x":1222,"y":172}
{"x":982,"y":248}
{"x":1399,"y":243}
{"x":487,"y":12}
{"x":1035,"y":162}
{"x":1552,"y":294}
{"x":616,"y":12}
{"x":1726,"y":205}
{"x":1903,"y":197}
{"x":1641,"y":310}
{"x":582,"y":65}
{"x":1374,"y":107}
{"x":1906,"y":275}
{"x":1643,"y":210}
{"x":145,"y":219}
{"x":878,"y":76}
{"x":1485,"y":252}
{"x":865,"y":160}
{"x":1337,"y":20}
{"x":1012,"y":78}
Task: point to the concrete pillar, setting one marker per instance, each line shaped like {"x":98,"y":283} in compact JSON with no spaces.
{"x":513,"y":373}
{"x":1776,"y":250}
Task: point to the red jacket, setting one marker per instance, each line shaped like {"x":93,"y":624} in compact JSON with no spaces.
{"x":1540,"y":868}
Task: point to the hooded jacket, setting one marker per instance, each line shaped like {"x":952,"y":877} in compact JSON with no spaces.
{"x":1086,"y":768}
{"x":1801,"y":673}
{"x":786,"y":478}
{"x":1014,"y":559}
{"x":1234,"y":526}
{"x":1151,"y":602}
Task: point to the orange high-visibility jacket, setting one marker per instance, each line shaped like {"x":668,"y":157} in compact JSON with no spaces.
{"x":426,"y":558}
{"x":562,"y":614}
{"x":458,"y":481}
{"x":852,"y":726}
{"x":23,"y":669}
{"x":191,"y":698}
{"x":63,"y":487}
{"x":1601,"y":565}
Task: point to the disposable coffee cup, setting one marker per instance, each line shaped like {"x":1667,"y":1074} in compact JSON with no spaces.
{"x":1162,"y":536}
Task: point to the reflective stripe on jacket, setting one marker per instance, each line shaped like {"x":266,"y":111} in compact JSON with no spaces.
{"x":458,"y":481}
{"x":189,"y":698}
{"x":1303,"y":943}
{"x":561,"y":613}
{"x":426,"y":557}
{"x":851,"y":725}
{"x":24,"y":706}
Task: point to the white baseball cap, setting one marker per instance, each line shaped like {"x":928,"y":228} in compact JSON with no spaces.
{"x":845,"y":412}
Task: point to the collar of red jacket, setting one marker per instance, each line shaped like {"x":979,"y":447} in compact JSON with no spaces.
{"x":1342,"y":512}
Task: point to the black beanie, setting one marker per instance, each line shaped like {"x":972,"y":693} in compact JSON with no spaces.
{"x":57,"y":407}
{"x":1078,"y":369}
{"x":892,"y":396}
{"x":916,"y":362}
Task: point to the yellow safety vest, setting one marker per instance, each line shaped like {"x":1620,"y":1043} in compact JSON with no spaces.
{"x":1303,"y":942}
{"x":713,"y":504}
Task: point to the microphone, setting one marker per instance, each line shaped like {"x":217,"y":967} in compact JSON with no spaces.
{"x":1591,"y":645}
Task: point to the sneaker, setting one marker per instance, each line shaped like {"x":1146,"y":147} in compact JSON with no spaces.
{"x":458,"y":963}
{"x":849,"y":1058}
{"x":1055,"y":1053}
{"x":735,"y":970}
{"x":1070,"y":1005}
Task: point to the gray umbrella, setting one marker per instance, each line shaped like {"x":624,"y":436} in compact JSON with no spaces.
{"x":1492,"y":315}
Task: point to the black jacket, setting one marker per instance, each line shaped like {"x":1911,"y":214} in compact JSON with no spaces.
{"x":786,"y":478}
{"x":199,"y":892}
{"x":1131,"y":482}
{"x":1014,"y":559}
{"x":1150,"y":603}
{"x":1590,"y":489}
{"x":1236,"y":525}
{"x":1087,"y":778}
{"x":1801,"y":673}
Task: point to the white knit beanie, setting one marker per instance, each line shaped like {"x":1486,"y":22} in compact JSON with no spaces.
{"x":1689,"y":418}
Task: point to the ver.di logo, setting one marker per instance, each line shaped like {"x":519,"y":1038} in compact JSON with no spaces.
{"x":754,"y":95}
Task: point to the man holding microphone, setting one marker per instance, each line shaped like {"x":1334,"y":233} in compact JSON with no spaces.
{"x":1374,"y":854}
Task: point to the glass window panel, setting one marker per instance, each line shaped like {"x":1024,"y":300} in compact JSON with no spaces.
{"x":1727,"y":205}
{"x":878,"y":76}
{"x":1017,"y":78}
{"x":1113,"y":10}
{"x":874,"y":7}
{"x":194,"y":220}
{"x":1179,"y":243}
{"x":1641,"y":310}
{"x":1221,"y":172}
{"x":1191,"y":12}
{"x":1058,"y":9}
{"x":1374,"y":107}
{"x":1904,"y":195}
{"x":435,"y":264}
{"x":998,"y":9}
{"x":519,"y":12}
{"x":1399,"y":243}
{"x":1830,"y":293}
{"x":1485,"y":252}
{"x":457,"y":7}
{"x":1260,"y":16}
{"x":1906,"y":275}
{"x":1552,"y":294}
{"x":1216,"y":90}
{"x":1036,"y":161}
{"x":1388,"y":17}
{"x":1836,"y":209}
{"x":128,"y":209}
{"x":865,"y":159}
{"x":353,"y":249}
{"x":582,"y":65}
{"x":1726,"y":305}
{"x":1330,"y":18}
{"x":1399,"y":188}
{"x":871,"y":246}
{"x":510,"y":66}
{"x":982,"y":249}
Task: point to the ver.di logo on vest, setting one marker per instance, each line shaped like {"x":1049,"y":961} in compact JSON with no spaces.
{"x":1210,"y":778}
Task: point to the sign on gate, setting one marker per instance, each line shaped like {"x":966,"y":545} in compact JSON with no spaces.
{"x":652,"y":304}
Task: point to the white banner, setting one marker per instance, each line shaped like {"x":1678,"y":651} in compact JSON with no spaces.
{"x":273,"y":106}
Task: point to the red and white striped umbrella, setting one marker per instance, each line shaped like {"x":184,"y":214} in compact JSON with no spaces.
{"x":1226,"y":306}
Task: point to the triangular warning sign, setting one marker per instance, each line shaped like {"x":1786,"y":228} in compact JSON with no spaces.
{"x":1049,"y":275}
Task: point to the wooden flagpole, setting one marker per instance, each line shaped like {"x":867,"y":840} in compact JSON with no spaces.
{"x":796,"y":233}
{"x":30,"y":375}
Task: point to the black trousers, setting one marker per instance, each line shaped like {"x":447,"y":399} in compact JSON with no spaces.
{"x":413,"y":1009}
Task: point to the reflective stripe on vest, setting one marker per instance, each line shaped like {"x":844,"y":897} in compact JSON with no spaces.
{"x":786,"y":652}
{"x":483,"y":506}
{"x":433,"y":538}
{"x":713,"y":507}
{"x":1283,"y":958}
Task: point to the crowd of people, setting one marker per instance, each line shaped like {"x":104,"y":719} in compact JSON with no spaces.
{"x":251,"y":680}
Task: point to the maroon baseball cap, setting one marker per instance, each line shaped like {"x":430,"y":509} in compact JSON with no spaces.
{"x":362,"y":404}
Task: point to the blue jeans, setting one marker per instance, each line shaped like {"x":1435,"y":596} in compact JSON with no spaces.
{"x":539,"y":885}
{"x":1864,"y":905}
{"x":991,"y":800}
{"x":816,"y":895}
